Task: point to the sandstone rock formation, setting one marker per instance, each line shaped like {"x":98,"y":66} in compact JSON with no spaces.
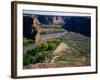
{"x":58,"y":20}
{"x":36,"y":29}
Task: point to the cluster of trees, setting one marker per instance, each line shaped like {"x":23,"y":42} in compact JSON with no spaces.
{"x":27,"y":41}
{"x":41,"y":53}
{"x":32,"y":57}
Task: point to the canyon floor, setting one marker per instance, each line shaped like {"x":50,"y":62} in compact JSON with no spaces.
{"x":73,"y":51}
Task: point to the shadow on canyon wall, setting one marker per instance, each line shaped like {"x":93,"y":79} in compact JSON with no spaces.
{"x":80,"y":25}
{"x":77,"y":24}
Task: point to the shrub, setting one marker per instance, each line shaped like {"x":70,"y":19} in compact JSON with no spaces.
{"x":26,"y":59}
{"x":44,"y":46}
{"x":40,"y":53}
{"x":27,"y":41}
{"x":32,"y":57}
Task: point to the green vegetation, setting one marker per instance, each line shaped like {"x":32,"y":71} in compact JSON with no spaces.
{"x":27,"y":41}
{"x":77,"y":53}
{"x":33,"y":56}
{"x":41,"y":53}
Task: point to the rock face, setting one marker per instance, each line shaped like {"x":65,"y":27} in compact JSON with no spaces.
{"x":51,"y":19}
{"x":58,"y":20}
{"x":31,"y":28}
{"x":36,"y":28}
{"x":61,"y":48}
{"x":40,"y":65}
{"x":77,"y":24}
{"x":30,"y":23}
